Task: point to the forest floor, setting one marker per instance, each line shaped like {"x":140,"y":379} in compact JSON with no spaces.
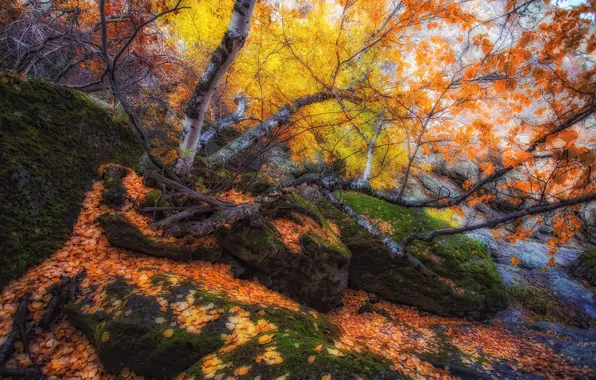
{"x":414,"y":342}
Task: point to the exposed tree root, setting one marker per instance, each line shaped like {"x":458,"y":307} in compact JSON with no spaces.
{"x":62,"y":292}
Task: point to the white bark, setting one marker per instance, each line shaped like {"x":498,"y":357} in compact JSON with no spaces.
{"x":370,"y":151}
{"x":268,"y":126}
{"x":221,"y":60}
{"x":224,"y":123}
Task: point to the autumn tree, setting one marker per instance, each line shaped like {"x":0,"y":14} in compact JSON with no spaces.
{"x":393,"y":90}
{"x":436,"y":91}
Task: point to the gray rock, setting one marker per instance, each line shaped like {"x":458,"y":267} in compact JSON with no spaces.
{"x":531,"y":254}
{"x":583,"y":335}
{"x":510,"y":274}
{"x":533,"y":258}
{"x":581,"y":354}
{"x":572,"y":291}
{"x":513,"y":318}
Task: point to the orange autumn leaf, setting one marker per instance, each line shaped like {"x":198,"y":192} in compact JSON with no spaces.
{"x":515,"y":261}
{"x":487,"y":46}
{"x":568,"y":136}
{"x":264,"y":339}
{"x":470,"y":72}
{"x":168,"y":333}
{"x":500,"y":86}
{"x":241,"y":371}
{"x":105,"y":337}
{"x":489,"y":169}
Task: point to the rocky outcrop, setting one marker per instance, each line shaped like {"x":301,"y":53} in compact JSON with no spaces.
{"x":554,"y":293}
{"x":163,"y":326}
{"x":294,"y":254}
{"x":52,"y":141}
{"x":308,"y":263}
{"x":467,"y":285}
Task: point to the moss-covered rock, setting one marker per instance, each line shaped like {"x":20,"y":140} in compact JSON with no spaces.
{"x":153,"y":199}
{"x":254,"y":183}
{"x":52,"y":141}
{"x":114,"y":192}
{"x":468,"y":284}
{"x":168,"y":325}
{"x":586,"y":266}
{"x":313,"y":272}
{"x":121,"y":233}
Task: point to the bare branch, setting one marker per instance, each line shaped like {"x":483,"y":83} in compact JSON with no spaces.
{"x":532,"y":210}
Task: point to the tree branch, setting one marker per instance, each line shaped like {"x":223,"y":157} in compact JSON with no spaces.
{"x":266,"y":127}
{"x":532,"y":210}
{"x":227,"y":121}
{"x":395,"y":250}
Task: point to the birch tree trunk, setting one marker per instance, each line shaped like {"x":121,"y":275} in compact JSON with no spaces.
{"x":370,"y":152}
{"x":220,"y":62}
{"x":254,"y":134}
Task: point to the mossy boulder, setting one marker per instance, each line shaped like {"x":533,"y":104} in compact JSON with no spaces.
{"x":254,"y":183}
{"x":52,"y":141}
{"x":114,"y":193}
{"x":467,"y":285}
{"x":123,"y":234}
{"x":166,"y":325}
{"x":586,"y":266}
{"x":312,"y":270}
{"x":154,"y":198}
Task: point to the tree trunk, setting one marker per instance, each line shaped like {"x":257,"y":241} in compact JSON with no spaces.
{"x":221,"y":60}
{"x":370,"y":152}
{"x":268,"y":126}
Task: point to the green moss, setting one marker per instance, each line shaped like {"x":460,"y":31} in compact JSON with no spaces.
{"x":324,"y":239}
{"x":459,"y":259}
{"x":121,"y":233}
{"x":152,"y":198}
{"x":51,"y":142}
{"x":158,"y":278}
{"x":137,"y":341}
{"x":114,"y":192}
{"x":588,"y":258}
{"x":295,"y":351}
{"x":541,"y":303}
{"x":297,"y":335}
{"x":254,"y":183}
